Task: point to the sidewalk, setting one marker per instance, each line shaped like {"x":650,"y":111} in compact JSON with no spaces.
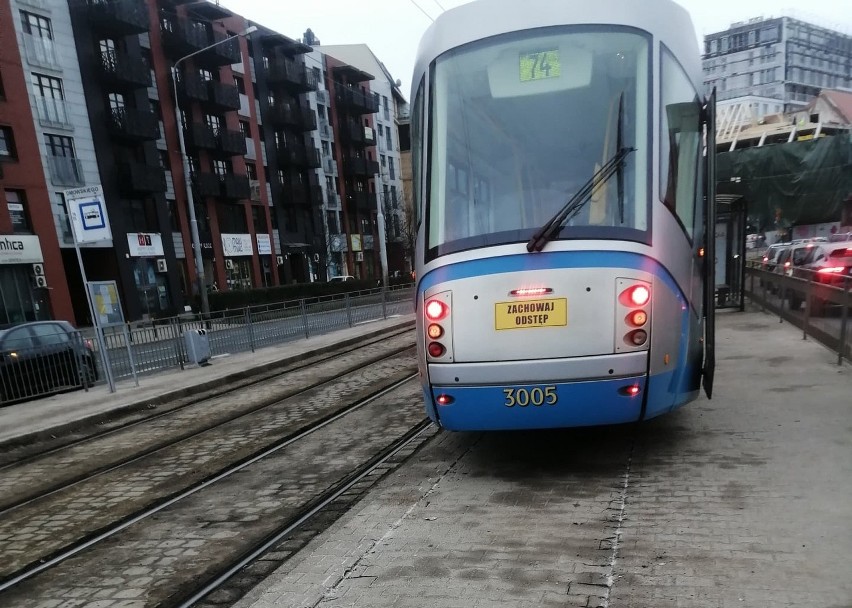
{"x":28,"y":421}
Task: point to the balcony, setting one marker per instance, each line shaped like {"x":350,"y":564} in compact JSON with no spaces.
{"x":132,"y":124}
{"x":292,"y":75}
{"x":200,"y":135}
{"x":206,"y":185}
{"x":222,"y":96}
{"x":356,"y":101}
{"x":235,"y":187}
{"x":124,"y":70}
{"x":140,"y":178}
{"x":192,"y":87}
{"x":360,"y":166}
{"x":351,"y":132}
{"x":118,"y":17}
{"x":40,"y":52}
{"x":181,"y":37}
{"x":295,"y":153}
{"x":322,"y":97}
{"x":226,"y":53}
{"x":369,"y":136}
{"x":231,"y":143}
{"x":53,"y":113}
{"x":284,"y":114}
{"x":65,"y":171}
{"x":361,"y":201}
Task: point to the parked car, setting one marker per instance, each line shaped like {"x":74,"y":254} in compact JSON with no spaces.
{"x":341,"y":278}
{"x":43,"y":357}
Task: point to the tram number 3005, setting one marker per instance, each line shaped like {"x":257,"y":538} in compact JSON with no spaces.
{"x":522,"y":397}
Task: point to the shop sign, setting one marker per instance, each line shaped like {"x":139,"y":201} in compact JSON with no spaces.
{"x":145,"y":245}
{"x":264,"y":245}
{"x":234,"y":245}
{"x":20,"y":249}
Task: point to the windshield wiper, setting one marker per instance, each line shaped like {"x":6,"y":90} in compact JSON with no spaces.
{"x":619,"y":143}
{"x":615,"y":164}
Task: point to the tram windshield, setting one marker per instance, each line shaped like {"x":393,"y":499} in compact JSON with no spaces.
{"x":519,"y":123}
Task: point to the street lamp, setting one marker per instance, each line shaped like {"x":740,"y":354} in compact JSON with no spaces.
{"x":193,"y":221}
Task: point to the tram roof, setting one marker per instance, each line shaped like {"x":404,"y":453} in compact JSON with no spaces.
{"x":664,"y":19}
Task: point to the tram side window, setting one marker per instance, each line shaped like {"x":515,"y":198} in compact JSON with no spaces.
{"x":416,"y":148}
{"x":680,"y":142}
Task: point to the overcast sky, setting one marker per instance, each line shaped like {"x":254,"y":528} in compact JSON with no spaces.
{"x":392,"y":28}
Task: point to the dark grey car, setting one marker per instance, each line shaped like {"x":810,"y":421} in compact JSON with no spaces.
{"x":42,"y":358}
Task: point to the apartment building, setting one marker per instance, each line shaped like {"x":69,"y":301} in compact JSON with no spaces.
{"x":391,"y":106}
{"x":46,"y":146}
{"x":781,"y":58}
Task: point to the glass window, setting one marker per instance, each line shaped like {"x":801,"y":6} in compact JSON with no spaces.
{"x":680,"y":142}
{"x":417,"y":141}
{"x":36,"y":25}
{"x":50,"y":334}
{"x":7,"y":143}
{"x":59,"y":145}
{"x":18,"y":339}
{"x":17,"y":207}
{"x":521,"y":122}
{"x":47,"y":86}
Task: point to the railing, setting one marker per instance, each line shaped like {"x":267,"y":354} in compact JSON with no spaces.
{"x":147,"y":347}
{"x":52,"y":112}
{"x":40,"y":52}
{"x":65,"y":170}
{"x":817,"y":302}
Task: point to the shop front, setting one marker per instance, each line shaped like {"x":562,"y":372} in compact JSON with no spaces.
{"x":149,"y":272}
{"x":24,"y":292}
{"x":238,"y":252}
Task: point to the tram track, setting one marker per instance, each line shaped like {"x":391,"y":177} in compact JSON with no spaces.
{"x":12,"y":455}
{"x":40,"y":475}
{"x":46,"y":526}
{"x":306,"y":511}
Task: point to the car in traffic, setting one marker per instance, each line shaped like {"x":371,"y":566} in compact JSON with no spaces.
{"x":829,"y":264}
{"x":43,"y":357}
{"x":341,"y":278}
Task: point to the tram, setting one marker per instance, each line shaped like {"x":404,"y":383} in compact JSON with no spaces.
{"x":563,"y":191}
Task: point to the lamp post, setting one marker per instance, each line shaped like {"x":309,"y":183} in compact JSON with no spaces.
{"x":193,"y":221}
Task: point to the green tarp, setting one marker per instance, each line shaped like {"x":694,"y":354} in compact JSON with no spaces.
{"x":790,"y":184}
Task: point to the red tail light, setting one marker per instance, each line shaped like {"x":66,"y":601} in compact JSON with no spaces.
{"x":637,"y":337}
{"x":436,"y":349}
{"x":637,"y":318}
{"x":436,"y":310}
{"x":638,"y":295}
{"x":833,"y":269}
{"x":444,"y":399}
{"x":630,"y":391}
{"x":435,"y":331}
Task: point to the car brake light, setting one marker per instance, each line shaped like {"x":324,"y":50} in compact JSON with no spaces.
{"x":436,"y":349}
{"x":832,"y":269}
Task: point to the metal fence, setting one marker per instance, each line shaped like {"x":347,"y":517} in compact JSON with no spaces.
{"x":142,"y":348}
{"x":816,"y":302}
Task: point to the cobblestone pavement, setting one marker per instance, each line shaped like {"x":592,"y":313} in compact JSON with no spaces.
{"x":34,"y":477}
{"x":40,"y":528}
{"x":157,"y":560}
{"x":739,"y":501}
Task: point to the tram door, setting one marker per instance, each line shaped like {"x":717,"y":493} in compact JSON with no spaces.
{"x":731,"y":214}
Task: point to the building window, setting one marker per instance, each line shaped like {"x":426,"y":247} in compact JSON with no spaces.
{"x":222,"y":167}
{"x":245,"y":129}
{"x":389,"y":139}
{"x":240,"y":84}
{"x":47,"y":86}
{"x":7,"y":144}
{"x":36,"y":25}
{"x":391,"y":169}
{"x":251,"y":171}
{"x":17,"y":207}
{"x":384,"y":160}
{"x":59,"y":145}
{"x":214,"y":122}
{"x":258,"y":216}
